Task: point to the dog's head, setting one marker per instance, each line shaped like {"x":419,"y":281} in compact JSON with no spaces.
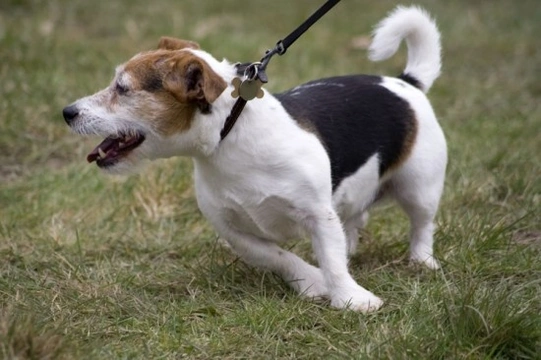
{"x":152,"y":101}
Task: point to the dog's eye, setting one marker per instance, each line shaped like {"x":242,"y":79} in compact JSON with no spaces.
{"x":121,"y":89}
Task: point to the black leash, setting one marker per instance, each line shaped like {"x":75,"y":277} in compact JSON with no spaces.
{"x":254,"y":73}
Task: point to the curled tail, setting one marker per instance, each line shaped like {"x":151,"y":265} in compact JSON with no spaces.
{"x":422,"y":38}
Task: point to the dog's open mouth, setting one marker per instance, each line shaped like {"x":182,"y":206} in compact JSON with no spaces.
{"x":113,"y":148}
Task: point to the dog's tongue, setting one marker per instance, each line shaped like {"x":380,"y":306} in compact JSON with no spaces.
{"x":104,"y":146}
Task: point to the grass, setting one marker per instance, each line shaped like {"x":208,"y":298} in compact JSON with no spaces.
{"x":94,"y":267}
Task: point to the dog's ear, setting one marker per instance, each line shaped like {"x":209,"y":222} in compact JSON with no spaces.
{"x":169,"y":43}
{"x":192,"y":80}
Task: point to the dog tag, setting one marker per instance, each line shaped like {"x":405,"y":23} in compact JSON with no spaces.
{"x":247,"y":89}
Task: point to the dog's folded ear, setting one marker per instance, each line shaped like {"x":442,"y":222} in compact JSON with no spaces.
{"x":170,"y":43}
{"x":191,"y":79}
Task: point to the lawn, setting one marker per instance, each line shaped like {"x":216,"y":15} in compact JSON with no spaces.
{"x":101,"y":267}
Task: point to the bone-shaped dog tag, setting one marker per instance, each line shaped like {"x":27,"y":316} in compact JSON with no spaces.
{"x":247,"y":89}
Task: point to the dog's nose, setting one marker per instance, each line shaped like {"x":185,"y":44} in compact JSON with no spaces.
{"x":70,"y":112}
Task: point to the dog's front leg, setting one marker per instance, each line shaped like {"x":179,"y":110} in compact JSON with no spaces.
{"x":306,"y":279}
{"x":329,"y":244}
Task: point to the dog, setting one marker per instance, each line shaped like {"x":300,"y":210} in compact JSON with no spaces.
{"x":309,"y":161}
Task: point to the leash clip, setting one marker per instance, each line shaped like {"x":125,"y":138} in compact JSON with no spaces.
{"x":252,"y":71}
{"x":250,"y":87}
{"x":280,"y":48}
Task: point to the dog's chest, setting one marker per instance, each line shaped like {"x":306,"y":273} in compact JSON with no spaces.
{"x":267,"y":217}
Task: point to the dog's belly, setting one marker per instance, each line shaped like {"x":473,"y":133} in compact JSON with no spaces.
{"x":358,"y":191}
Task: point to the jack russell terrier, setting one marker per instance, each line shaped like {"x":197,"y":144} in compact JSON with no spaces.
{"x":306,"y":162}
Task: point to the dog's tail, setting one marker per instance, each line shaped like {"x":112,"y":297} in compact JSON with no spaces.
{"x":422,"y":38}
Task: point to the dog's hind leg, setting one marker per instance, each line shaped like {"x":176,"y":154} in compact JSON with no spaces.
{"x":329,"y":242}
{"x":351,"y":228}
{"x":420,"y":200}
{"x":352,"y":237}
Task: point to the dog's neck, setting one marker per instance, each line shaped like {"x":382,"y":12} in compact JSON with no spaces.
{"x":203,"y":140}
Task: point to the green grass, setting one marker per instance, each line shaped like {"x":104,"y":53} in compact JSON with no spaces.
{"x":95,"y":267}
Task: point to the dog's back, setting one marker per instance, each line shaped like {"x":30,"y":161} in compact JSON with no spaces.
{"x":355,"y":117}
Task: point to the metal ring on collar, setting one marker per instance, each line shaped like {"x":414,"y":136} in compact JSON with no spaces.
{"x":252,"y":70}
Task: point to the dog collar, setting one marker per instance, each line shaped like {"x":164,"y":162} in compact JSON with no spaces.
{"x":232,"y":117}
{"x":245,"y":90}
{"x":253,"y":74}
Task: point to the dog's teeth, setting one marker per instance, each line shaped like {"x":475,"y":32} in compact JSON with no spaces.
{"x":101,"y":153}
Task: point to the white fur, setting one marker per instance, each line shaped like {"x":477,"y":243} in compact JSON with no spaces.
{"x":422,"y":37}
{"x":269,"y":181}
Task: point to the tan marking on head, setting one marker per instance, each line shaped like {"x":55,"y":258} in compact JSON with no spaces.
{"x":170,"y":43}
{"x":190,"y":78}
{"x":167,"y":87}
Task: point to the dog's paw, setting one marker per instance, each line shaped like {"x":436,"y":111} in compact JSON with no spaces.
{"x":312,"y":285}
{"x":427,"y":260}
{"x":314,"y":291}
{"x":357,"y":300}
{"x":224,"y":243}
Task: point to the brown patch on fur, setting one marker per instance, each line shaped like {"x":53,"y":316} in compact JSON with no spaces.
{"x":191,"y":79}
{"x":171,"y":117}
{"x":167,"y":87}
{"x":306,"y":125}
{"x":144,"y":72}
{"x":409,"y":141}
{"x":309,"y":126}
{"x":170,"y":43}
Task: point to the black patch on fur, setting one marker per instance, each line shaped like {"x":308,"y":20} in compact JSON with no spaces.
{"x":355,"y":118}
{"x":193,"y":80}
{"x":411,"y":80}
{"x":152,"y":83}
{"x":204,"y":107}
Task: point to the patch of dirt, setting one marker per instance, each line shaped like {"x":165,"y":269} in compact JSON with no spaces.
{"x":10,"y":173}
{"x":23,"y":340}
{"x":528,"y":237}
